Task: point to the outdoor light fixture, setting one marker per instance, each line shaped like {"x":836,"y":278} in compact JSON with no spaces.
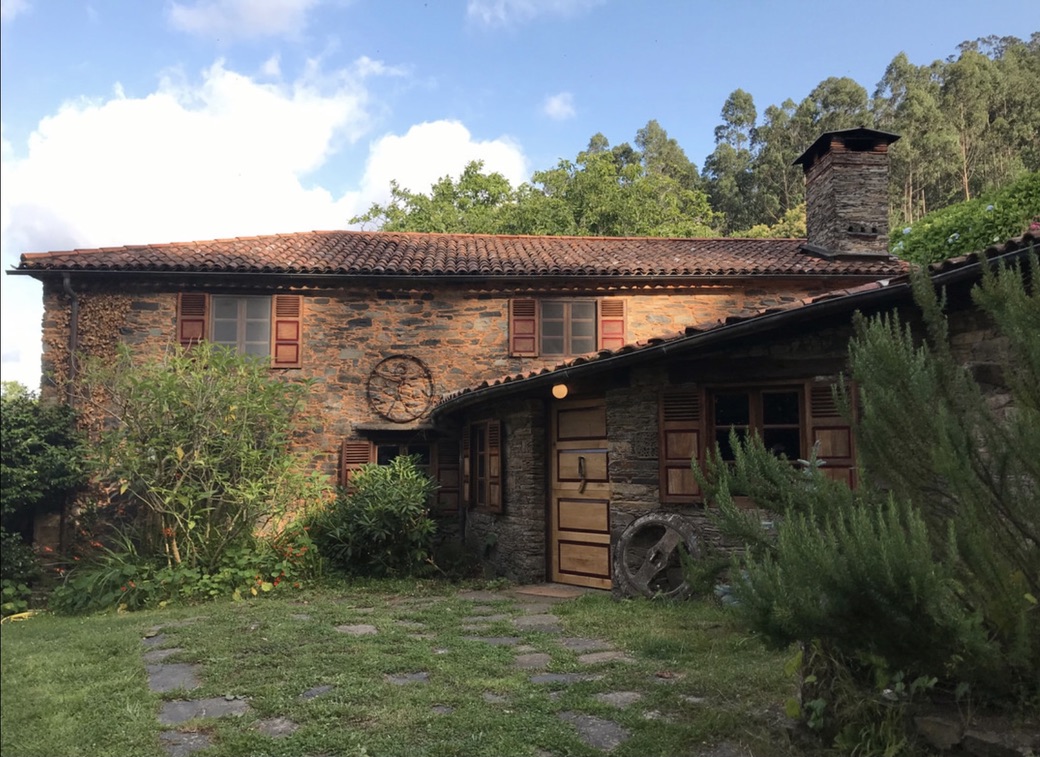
{"x":559,"y":391}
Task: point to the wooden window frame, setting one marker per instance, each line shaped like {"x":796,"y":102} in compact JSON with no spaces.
{"x":481,"y":466}
{"x":686,"y":422}
{"x":195,"y":323}
{"x":527,"y":320}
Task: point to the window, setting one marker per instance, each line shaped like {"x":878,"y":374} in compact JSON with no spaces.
{"x":775,"y":414}
{"x":252,"y":324}
{"x":482,"y":466}
{"x":243,"y":323}
{"x":565,"y":327}
{"x":439,"y":460}
{"x":790,"y":419}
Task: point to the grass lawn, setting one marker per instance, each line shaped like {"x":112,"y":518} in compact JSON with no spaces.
{"x":78,"y":686}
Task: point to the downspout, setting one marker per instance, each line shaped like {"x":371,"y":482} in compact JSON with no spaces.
{"x":70,"y":384}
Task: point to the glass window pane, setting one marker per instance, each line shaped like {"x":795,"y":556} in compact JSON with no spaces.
{"x":385,"y":453}
{"x":225,"y":307}
{"x":583,"y":344}
{"x":257,"y":331}
{"x":225,"y":332}
{"x":257,"y":348}
{"x":552,"y":310}
{"x":552,"y":329}
{"x":780,"y":408}
{"x":583,"y":328}
{"x":584,"y":310}
{"x":783,"y":441}
{"x":722,"y":439}
{"x":552,"y":345}
{"x":422,"y":451}
{"x":258,"y":307}
{"x":732,"y":410}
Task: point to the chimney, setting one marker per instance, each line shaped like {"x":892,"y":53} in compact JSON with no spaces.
{"x":846,"y":191}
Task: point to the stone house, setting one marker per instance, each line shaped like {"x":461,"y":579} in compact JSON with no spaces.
{"x":406,"y":337}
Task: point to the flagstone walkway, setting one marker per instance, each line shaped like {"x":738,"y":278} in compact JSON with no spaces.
{"x":525,"y":608}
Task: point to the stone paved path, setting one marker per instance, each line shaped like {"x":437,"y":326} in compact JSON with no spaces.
{"x":525,"y":611}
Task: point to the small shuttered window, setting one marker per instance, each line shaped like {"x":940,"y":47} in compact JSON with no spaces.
{"x":482,"y":466}
{"x":353,"y":454}
{"x":829,"y":429}
{"x":255,"y":325}
{"x":566,"y":327}
{"x":679,"y":445}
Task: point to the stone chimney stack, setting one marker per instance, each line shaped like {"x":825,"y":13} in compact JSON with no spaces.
{"x":846,"y":191}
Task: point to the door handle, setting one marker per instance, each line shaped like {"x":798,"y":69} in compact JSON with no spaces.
{"x":581,"y":474}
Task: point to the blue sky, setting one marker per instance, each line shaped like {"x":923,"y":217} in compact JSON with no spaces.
{"x":132,"y":122}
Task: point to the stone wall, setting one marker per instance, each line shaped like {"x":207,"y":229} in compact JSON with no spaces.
{"x":460,"y":334}
{"x":512,"y":544}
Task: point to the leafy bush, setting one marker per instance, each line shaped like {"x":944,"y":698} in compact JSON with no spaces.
{"x":204,"y":491}
{"x":973,"y":225}
{"x":119,"y":577}
{"x":380,"y":525}
{"x":199,"y":449}
{"x":40,"y":468}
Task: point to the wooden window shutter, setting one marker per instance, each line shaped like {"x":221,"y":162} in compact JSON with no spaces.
{"x":353,"y":454}
{"x":827,"y":426}
{"x":467,"y":467}
{"x":523,"y":328}
{"x":611,"y":327}
{"x":287,"y":331}
{"x":494,"y":466}
{"x":447,"y":476}
{"x":192,"y":318}
{"x":679,"y":428}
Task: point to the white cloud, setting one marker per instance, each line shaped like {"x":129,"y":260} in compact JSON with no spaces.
{"x":505,"y":12}
{"x":559,"y":107}
{"x":272,"y":67}
{"x":11,"y":8}
{"x":222,"y":156}
{"x":224,"y":19}
{"x":431,"y":150}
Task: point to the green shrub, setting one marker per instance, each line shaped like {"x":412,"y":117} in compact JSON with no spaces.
{"x":970,"y":226}
{"x":41,"y":467}
{"x":381,"y":524}
{"x":198,"y":450}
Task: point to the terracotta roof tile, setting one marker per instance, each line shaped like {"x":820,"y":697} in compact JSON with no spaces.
{"x":363,"y":253}
{"x":1023,"y":243}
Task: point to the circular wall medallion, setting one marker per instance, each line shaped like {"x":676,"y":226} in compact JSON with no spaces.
{"x":400,"y":388}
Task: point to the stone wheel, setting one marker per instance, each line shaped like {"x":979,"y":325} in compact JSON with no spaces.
{"x":646,"y":558}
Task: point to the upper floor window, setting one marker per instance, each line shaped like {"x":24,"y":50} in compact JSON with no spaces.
{"x":565,"y":327}
{"x":243,"y":323}
{"x":251,"y":324}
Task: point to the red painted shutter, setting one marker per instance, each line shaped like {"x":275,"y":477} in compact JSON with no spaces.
{"x":467,"y":467}
{"x":286,"y":331}
{"x":494,"y":466}
{"x":834,"y":434}
{"x":353,"y":454}
{"x":680,"y":445}
{"x":448,"y":476}
{"x":523,"y":328}
{"x":611,"y":329}
{"x":192,"y":318}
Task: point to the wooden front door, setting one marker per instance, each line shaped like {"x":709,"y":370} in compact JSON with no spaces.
{"x":579,"y":531}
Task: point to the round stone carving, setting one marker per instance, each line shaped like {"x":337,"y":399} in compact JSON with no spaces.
{"x":400,"y":388}
{"x":646,"y":557}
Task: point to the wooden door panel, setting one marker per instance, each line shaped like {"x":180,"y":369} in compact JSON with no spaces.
{"x":583,"y":515}
{"x":580,"y":518}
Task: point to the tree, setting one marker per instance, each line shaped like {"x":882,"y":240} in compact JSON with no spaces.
{"x":929,"y":572}
{"x":41,"y":468}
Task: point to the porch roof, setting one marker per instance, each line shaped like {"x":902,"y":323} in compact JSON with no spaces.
{"x":716,"y":333}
